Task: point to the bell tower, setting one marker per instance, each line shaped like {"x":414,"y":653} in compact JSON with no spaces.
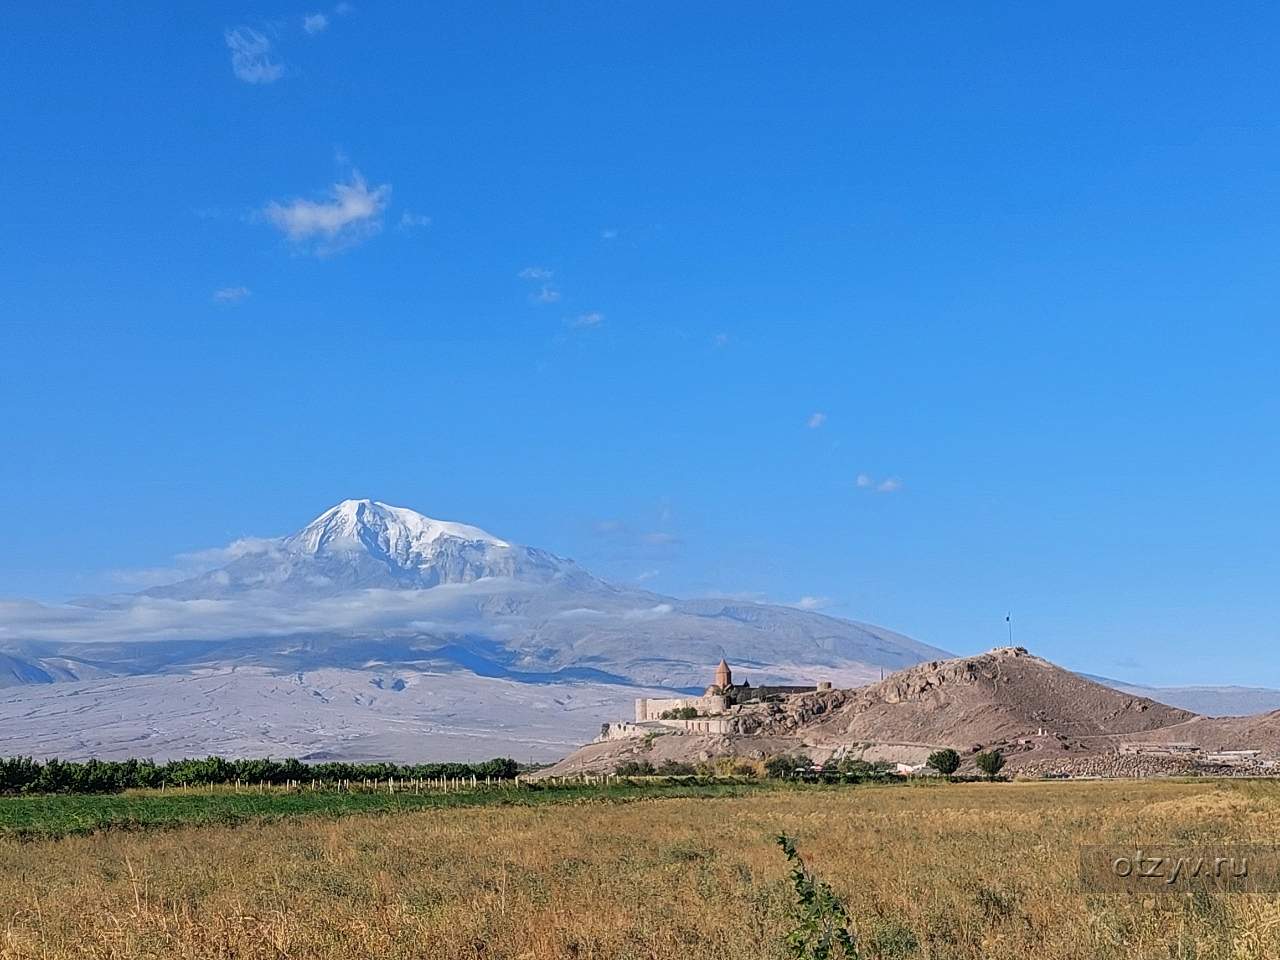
{"x":724,"y":676}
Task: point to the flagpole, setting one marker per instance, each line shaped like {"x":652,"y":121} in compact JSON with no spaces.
{"x":1008,"y":618}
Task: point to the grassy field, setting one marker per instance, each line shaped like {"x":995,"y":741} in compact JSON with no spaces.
{"x":53,"y":816}
{"x":972,"y":871}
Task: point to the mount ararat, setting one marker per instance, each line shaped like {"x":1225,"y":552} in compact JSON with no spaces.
{"x":377,"y":631}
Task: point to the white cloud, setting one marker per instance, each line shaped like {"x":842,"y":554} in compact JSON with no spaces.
{"x":534,"y":273}
{"x":313,"y":23}
{"x":199,"y":561}
{"x":259,"y":613}
{"x":268,"y":613}
{"x":352,"y":213}
{"x":816,"y":420}
{"x":251,"y":56}
{"x":660,"y":538}
{"x":187,"y":565}
{"x":865,"y":481}
{"x":648,"y":613}
{"x":231,"y":294}
{"x":720,"y":341}
{"x":609,"y":233}
{"x":593,"y":319}
{"x":413,"y":221}
{"x":646,"y":575}
{"x":548,"y":294}
{"x":812,"y":603}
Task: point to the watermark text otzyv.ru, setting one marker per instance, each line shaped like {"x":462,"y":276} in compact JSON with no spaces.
{"x":1180,"y":868}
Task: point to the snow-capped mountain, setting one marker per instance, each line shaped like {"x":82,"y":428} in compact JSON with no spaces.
{"x":389,"y":597}
{"x":363,"y":544}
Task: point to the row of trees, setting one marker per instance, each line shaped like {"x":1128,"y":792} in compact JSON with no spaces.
{"x":947,"y":762}
{"x":25,"y":775}
{"x":791,"y":766}
{"x":783,"y":767}
{"x":796,"y":766}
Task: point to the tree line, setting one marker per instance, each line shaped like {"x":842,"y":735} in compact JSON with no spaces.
{"x":25,"y":775}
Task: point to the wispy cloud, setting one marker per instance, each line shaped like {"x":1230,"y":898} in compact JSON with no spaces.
{"x":812,"y":603}
{"x":251,"y":58}
{"x":314,"y":23}
{"x":413,"y":221}
{"x":187,"y":565}
{"x":865,"y":481}
{"x":720,"y":341}
{"x":587,"y":320}
{"x":351,"y":213}
{"x":648,"y":613}
{"x":546,"y":293}
{"x":231,"y":294}
{"x":816,"y":420}
{"x":257,"y":613}
{"x":660,"y":538}
{"x":645,"y":576}
{"x":609,"y":233}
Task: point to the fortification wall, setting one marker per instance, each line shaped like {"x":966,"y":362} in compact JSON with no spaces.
{"x":653,"y":708}
{"x":704,"y":725}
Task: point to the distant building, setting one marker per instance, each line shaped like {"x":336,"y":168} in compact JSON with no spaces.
{"x":724,"y":676}
{"x":719,"y":698}
{"x":1181,"y":749}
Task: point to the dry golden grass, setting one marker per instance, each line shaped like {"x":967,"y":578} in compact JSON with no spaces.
{"x":964,"y":871}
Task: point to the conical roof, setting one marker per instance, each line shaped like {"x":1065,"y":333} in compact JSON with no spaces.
{"x":724,"y":676}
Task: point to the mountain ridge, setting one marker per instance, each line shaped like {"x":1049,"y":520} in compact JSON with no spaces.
{"x":366,"y":586}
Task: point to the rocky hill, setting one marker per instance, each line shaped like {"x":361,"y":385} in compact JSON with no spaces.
{"x":995,"y":696}
{"x":1009,"y":699}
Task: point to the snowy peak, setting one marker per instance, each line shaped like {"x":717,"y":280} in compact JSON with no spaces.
{"x":395,"y":533}
{"x":367,"y":544}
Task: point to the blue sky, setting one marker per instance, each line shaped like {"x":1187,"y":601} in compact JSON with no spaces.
{"x":918,"y":314}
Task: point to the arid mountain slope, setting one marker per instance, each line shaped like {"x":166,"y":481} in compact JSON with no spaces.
{"x":995,"y":696}
{"x":1006,"y":698}
{"x":1259,"y":732}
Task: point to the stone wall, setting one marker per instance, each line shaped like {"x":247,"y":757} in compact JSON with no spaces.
{"x":620,"y":730}
{"x":704,"y":725}
{"x":652,"y":709}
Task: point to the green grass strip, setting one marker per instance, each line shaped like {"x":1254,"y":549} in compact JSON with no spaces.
{"x":52,"y":816}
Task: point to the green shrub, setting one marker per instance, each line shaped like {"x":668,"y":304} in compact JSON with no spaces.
{"x":946,"y":762}
{"x":779,"y":768}
{"x":680,"y":713}
{"x":822,"y":928}
{"x":990,"y":763}
{"x":634,"y":768}
{"x":674,"y":768}
{"x":891,"y":938}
